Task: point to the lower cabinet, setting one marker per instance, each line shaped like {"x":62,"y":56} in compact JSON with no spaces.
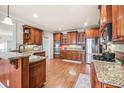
{"x":37,"y":74}
{"x":71,"y":55}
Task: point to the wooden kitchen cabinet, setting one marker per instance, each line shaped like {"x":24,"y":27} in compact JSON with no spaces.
{"x":92,"y":33}
{"x":63,"y":54}
{"x":32,"y":35}
{"x":57,"y":36}
{"x":37,"y":74}
{"x":71,"y":55}
{"x":64,"y":38}
{"x":16,"y":72}
{"x":105,"y":14}
{"x":38,"y":37}
{"x":118,"y":23}
{"x":72,"y":37}
{"x":80,"y":37}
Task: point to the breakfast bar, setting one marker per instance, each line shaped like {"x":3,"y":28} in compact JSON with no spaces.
{"x":15,"y":68}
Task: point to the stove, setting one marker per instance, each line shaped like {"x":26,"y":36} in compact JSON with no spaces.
{"x":110,"y":57}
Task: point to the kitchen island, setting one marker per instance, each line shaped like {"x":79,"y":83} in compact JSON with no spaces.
{"x":15,"y":68}
{"x":106,"y":75}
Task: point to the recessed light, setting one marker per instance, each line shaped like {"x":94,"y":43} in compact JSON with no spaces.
{"x":35,"y":15}
{"x":60,"y":28}
{"x":85,"y":24}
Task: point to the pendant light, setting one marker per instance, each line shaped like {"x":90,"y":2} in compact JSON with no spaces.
{"x":7,"y":19}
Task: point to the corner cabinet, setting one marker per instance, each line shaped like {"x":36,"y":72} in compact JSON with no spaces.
{"x":32,"y":35}
{"x":118,"y":23}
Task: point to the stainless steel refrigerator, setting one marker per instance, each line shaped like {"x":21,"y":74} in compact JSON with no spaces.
{"x":92,"y":46}
{"x":57,"y":47}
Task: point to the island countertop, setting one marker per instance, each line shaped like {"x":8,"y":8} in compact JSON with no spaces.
{"x":15,"y":55}
{"x":109,"y":73}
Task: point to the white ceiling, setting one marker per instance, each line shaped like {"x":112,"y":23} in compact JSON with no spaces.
{"x":53,"y":17}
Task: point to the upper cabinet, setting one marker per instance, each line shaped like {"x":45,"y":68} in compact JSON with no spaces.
{"x":118,"y":23}
{"x":80,"y":37}
{"x":72,"y":37}
{"x":38,"y":37}
{"x":92,"y":33}
{"x":57,"y":36}
{"x":32,"y":35}
{"x":64,"y":38}
{"x":105,"y":15}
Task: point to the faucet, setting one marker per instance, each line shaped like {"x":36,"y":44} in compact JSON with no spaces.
{"x":20,"y":50}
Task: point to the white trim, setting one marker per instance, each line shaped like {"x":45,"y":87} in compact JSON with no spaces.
{"x":72,"y":61}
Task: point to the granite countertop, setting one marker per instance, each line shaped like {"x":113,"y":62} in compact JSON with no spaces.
{"x":15,"y":55}
{"x":35,"y":58}
{"x":109,"y":73}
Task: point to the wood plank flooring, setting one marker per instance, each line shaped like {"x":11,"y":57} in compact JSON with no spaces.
{"x":60,"y":74}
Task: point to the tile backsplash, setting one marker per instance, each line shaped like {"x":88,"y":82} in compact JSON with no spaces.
{"x":31,"y":47}
{"x":115,"y":47}
{"x":71,"y":47}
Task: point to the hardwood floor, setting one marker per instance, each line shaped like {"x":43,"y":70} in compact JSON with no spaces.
{"x":60,"y":74}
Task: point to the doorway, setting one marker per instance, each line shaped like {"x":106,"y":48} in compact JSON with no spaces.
{"x":46,"y":46}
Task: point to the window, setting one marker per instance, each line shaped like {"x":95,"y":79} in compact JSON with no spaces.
{"x":3,"y":45}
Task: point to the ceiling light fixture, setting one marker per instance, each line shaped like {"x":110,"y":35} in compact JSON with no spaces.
{"x":7,"y":19}
{"x":35,"y":16}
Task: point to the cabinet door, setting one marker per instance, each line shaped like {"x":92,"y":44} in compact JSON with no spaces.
{"x":81,"y":37}
{"x":121,"y":22}
{"x":72,"y":37}
{"x":68,"y":37}
{"x":106,"y":14}
{"x":62,"y":54}
{"x":43,"y":71}
{"x":38,"y":38}
{"x":57,"y":36}
{"x":32,"y":38}
{"x":103,"y":14}
{"x":118,"y":23}
{"x":92,"y":33}
{"x":114,"y":22}
{"x":37,"y":74}
{"x":64,"y":39}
